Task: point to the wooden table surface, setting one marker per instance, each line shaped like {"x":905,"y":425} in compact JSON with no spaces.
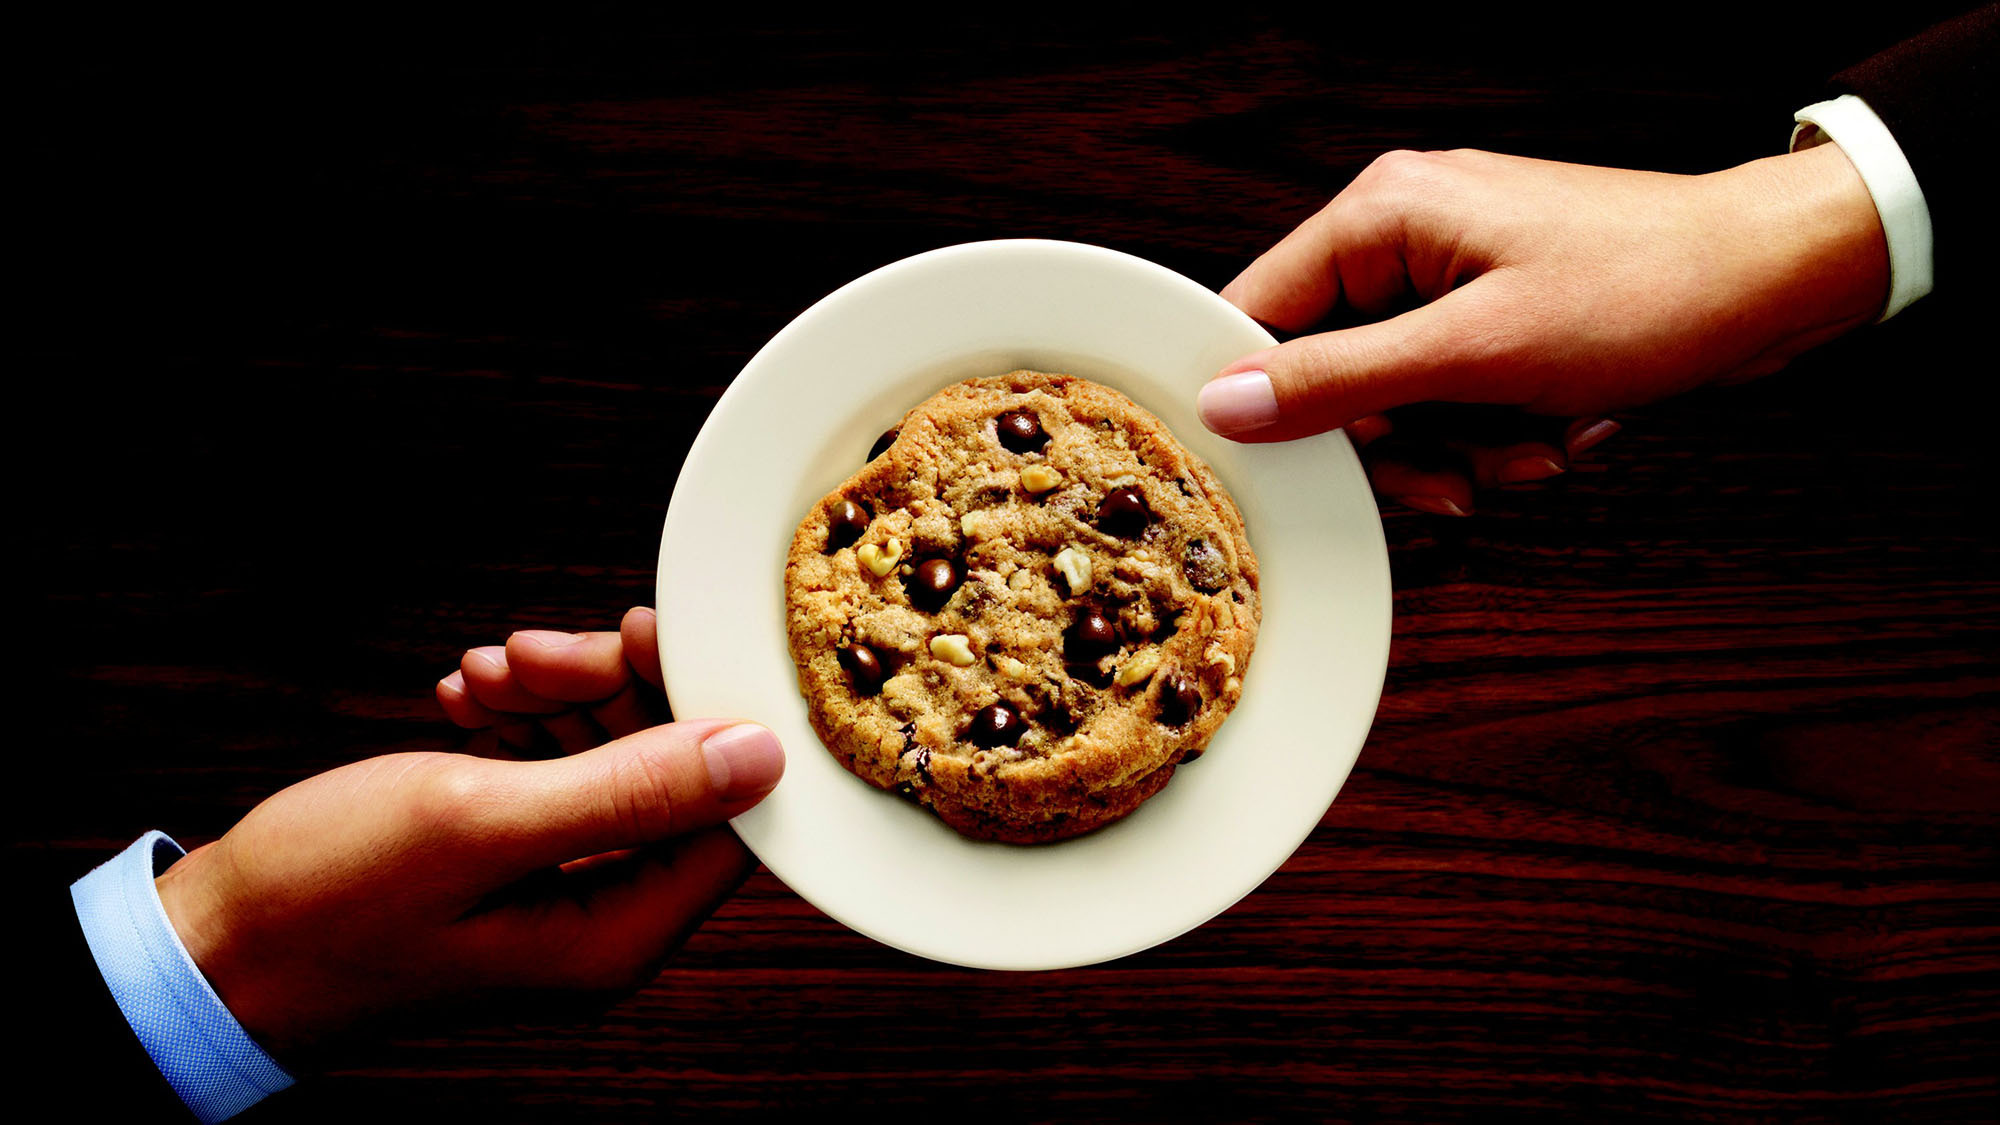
{"x":362,"y":345}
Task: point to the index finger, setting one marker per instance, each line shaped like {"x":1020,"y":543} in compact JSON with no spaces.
{"x":1349,"y":251}
{"x":568,"y":667}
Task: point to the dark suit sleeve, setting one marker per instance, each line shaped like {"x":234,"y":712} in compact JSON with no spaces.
{"x":1935,"y":93}
{"x":81,"y":1053}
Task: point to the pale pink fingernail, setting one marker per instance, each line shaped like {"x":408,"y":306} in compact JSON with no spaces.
{"x":744,"y":762}
{"x":549,"y":638}
{"x":1435,"y":505}
{"x":1239,"y":402}
{"x":494,"y":656}
{"x":1522,"y":469}
{"x":453,"y":685}
{"x":1591,"y":435}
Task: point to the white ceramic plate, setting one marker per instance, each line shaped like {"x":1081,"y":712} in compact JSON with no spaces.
{"x":800,"y":419}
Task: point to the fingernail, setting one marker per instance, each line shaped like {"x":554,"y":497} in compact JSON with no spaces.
{"x":1239,"y":402}
{"x":1591,"y":435}
{"x":495,"y":656}
{"x":1435,"y":505}
{"x":453,"y":684}
{"x":744,"y":762}
{"x":1368,"y":430}
{"x":549,"y":638}
{"x":1526,"y":469}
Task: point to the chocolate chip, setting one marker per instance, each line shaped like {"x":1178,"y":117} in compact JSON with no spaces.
{"x":1021,"y":431}
{"x":1206,"y":569}
{"x":1123,"y":512}
{"x":919,"y":756}
{"x":1180,"y":698}
{"x":1090,"y":636}
{"x":862,"y":664}
{"x":883,"y":443}
{"x":1190,"y":754}
{"x":932,"y":583}
{"x":846,"y":520}
{"x":996,"y":725}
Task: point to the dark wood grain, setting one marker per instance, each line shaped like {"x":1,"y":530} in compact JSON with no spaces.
{"x":378,"y":343}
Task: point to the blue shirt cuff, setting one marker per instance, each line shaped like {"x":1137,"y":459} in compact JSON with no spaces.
{"x":202,"y":1051}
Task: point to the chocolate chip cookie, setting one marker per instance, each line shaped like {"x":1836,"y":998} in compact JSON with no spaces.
{"x":1025,"y":610}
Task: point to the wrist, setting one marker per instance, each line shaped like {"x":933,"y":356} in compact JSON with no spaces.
{"x":1815,"y":237}
{"x":196,"y":909}
{"x":191,"y":910}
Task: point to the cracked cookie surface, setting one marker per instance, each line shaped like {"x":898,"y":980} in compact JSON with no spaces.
{"x":1026,"y":610}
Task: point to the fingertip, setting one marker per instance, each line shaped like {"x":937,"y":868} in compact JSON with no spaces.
{"x":1368,"y":429}
{"x":1522,"y":470}
{"x":1520,"y":462}
{"x":1424,"y":478}
{"x":1434,"y":505}
{"x":491,"y":681}
{"x":639,"y":632}
{"x":1587,"y":433}
{"x":744,"y":763}
{"x":459,"y":705}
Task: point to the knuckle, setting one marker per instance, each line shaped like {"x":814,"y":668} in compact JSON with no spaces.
{"x":1405,"y":187}
{"x":1315,"y":359}
{"x":644,"y":804}
{"x":1311,"y":367}
{"x":1404,"y":168}
{"x":453,"y":798}
{"x":1429,"y":178}
{"x":1323,"y":374}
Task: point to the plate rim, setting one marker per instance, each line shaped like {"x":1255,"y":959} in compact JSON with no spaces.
{"x":747,"y":383}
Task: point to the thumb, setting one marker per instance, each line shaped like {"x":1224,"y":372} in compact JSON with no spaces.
{"x":1321,"y":382}
{"x":654,"y":784}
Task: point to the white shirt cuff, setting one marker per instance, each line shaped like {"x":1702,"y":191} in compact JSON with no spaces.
{"x":1906,"y":218}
